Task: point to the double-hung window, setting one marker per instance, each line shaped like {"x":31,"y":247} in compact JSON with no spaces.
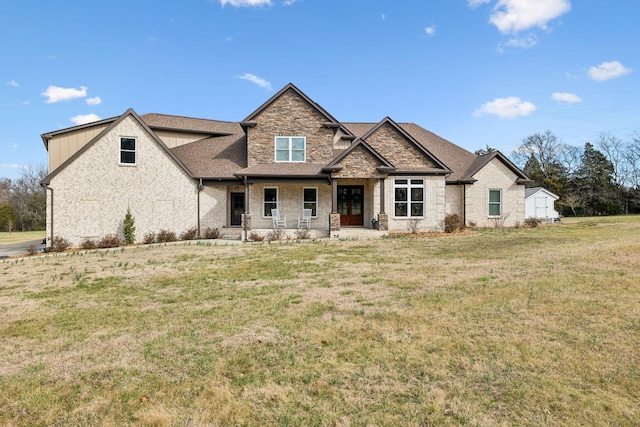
{"x":495,"y":202}
{"x":128,"y":151}
{"x":310,"y":200}
{"x":291,"y":149}
{"x":409,"y":198}
{"x":270,"y":200}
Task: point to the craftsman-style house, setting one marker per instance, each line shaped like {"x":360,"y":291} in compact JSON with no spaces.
{"x":288,"y":160}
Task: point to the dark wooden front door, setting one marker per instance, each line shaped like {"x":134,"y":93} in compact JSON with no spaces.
{"x":350,"y":204}
{"x":237,"y":208}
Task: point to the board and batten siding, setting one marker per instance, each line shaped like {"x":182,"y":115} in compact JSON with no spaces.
{"x":62,"y":147}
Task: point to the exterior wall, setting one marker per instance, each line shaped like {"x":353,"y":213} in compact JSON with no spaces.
{"x":359,"y":164}
{"x":61,"y":147}
{"x":396,"y":149}
{"x":434,"y":204}
{"x":174,"y":139}
{"x":494,"y":176}
{"x":540,"y":205}
{"x":91,"y":194}
{"x":454,"y":200}
{"x":290,"y":204}
{"x":289,"y":115}
{"x":214,"y":209}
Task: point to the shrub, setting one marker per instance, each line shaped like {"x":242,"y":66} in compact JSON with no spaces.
{"x":275,"y":234}
{"x":109,"y":241}
{"x":88,"y":244}
{"x":303,"y":233}
{"x":413,"y":225}
{"x":532,"y":222}
{"x":165,"y":236}
{"x":211,"y":233}
{"x":452,"y":222}
{"x":59,"y":244}
{"x":32,"y":249}
{"x":255,"y":237}
{"x":190,"y":234}
{"x":129,"y":228}
{"x":149,"y":237}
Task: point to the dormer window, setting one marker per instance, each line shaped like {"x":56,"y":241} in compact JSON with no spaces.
{"x":291,"y":149}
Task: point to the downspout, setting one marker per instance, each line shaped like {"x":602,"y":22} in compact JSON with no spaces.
{"x":246,"y":209}
{"x":200,"y":188}
{"x":46,"y":187}
{"x":464,"y":204}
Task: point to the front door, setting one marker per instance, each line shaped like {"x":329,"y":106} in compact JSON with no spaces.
{"x":350,"y":203}
{"x":237,"y":208}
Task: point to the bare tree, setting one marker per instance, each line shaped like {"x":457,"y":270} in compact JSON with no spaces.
{"x":633,"y":154}
{"x":617,"y":153}
{"x":545,"y":148}
{"x":27,"y":198}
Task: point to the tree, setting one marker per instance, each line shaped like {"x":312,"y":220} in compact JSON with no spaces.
{"x":486,"y":150}
{"x":28,"y":200}
{"x":540,"y":157}
{"x":129,"y":228}
{"x":616,"y":152}
{"x":7,"y":217}
{"x":594,"y":182}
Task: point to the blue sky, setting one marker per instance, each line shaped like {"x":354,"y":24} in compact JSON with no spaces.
{"x":476,"y":72}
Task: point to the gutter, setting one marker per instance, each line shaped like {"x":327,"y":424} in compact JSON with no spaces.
{"x":200,"y":188}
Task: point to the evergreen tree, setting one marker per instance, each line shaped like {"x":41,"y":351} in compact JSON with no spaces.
{"x":129,"y":228}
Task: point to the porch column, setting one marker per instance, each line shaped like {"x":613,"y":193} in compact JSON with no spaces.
{"x":334,"y":216}
{"x":383,"y":218}
{"x":382,"y":195}
{"x":246,"y":217}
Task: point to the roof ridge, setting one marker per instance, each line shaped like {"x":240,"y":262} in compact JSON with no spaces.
{"x":188,"y":117}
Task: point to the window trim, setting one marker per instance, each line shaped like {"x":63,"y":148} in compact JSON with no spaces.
{"x":314,"y":202}
{"x":490,"y":203}
{"x":409,"y":185}
{"x":264,"y":201}
{"x":122,"y":150}
{"x":290,"y":149}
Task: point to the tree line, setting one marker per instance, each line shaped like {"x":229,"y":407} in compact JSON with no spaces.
{"x":597,"y":179}
{"x":23,"y":202}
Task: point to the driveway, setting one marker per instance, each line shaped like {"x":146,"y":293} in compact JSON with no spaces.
{"x":20,"y":248}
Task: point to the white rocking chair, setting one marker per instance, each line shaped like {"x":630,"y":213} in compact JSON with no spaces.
{"x":278,"y":221}
{"x":305,"y":221}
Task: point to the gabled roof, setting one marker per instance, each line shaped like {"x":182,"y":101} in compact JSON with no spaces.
{"x":189,"y":124}
{"x":215,"y":157}
{"x":113,"y":124}
{"x":47,"y":136}
{"x":333,"y":165}
{"x":528,"y":192}
{"x":482,"y":161}
{"x":291,"y":87}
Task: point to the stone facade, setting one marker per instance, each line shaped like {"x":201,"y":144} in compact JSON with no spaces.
{"x":289,"y":115}
{"x":397,"y":149}
{"x":359,"y":163}
{"x":91,"y":194}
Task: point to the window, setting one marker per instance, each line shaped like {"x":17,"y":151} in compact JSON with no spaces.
{"x":310,"y":200}
{"x":495,"y":202}
{"x":290,"y":149}
{"x":127,"y":151}
{"x":409,"y":197}
{"x":270,"y":200}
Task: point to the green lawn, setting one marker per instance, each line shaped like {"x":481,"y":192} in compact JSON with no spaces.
{"x":20,"y":236}
{"x":528,"y":327}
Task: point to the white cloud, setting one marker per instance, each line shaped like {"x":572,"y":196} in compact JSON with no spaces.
{"x":608,"y":70}
{"x":476,"y":3}
{"x":11,"y":166}
{"x":523,"y":42}
{"x":93,"y":101}
{"x":289,"y":2}
{"x":12,"y":83}
{"x":506,"y":108}
{"x":431,"y":30}
{"x":246,"y":3}
{"x":512,"y":16}
{"x":85,"y":118}
{"x":257,"y":80}
{"x":566,"y":97}
{"x":57,"y":94}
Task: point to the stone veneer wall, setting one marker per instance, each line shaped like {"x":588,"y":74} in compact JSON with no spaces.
{"x":289,"y":115}
{"x":396,"y":149}
{"x":495,"y":175}
{"x":359,"y":164}
{"x":91,"y":194}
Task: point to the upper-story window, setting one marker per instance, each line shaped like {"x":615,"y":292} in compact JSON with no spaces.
{"x":291,"y":149}
{"x":128,"y":151}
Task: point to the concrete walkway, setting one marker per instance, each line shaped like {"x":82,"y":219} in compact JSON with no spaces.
{"x":20,"y":248}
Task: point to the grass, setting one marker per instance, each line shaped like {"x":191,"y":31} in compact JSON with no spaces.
{"x":20,"y":236}
{"x":502,"y":327}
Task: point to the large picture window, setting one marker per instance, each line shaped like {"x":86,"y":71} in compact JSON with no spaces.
{"x":270,"y":200}
{"x":409,"y":198}
{"x":310,"y":200}
{"x":128,"y":151}
{"x":495,"y":202}
{"x":290,"y":149}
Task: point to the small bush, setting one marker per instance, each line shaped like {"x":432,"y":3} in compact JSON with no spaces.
{"x":452,"y":222}
{"x":303,"y":233}
{"x":532,"y":222}
{"x":275,"y":234}
{"x":190,"y":234}
{"x":59,"y":244}
{"x":211,"y":233}
{"x":32,"y":249}
{"x":165,"y":236}
{"x":109,"y":241}
{"x":255,"y":237}
{"x":88,"y":244}
{"x":149,"y":238}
